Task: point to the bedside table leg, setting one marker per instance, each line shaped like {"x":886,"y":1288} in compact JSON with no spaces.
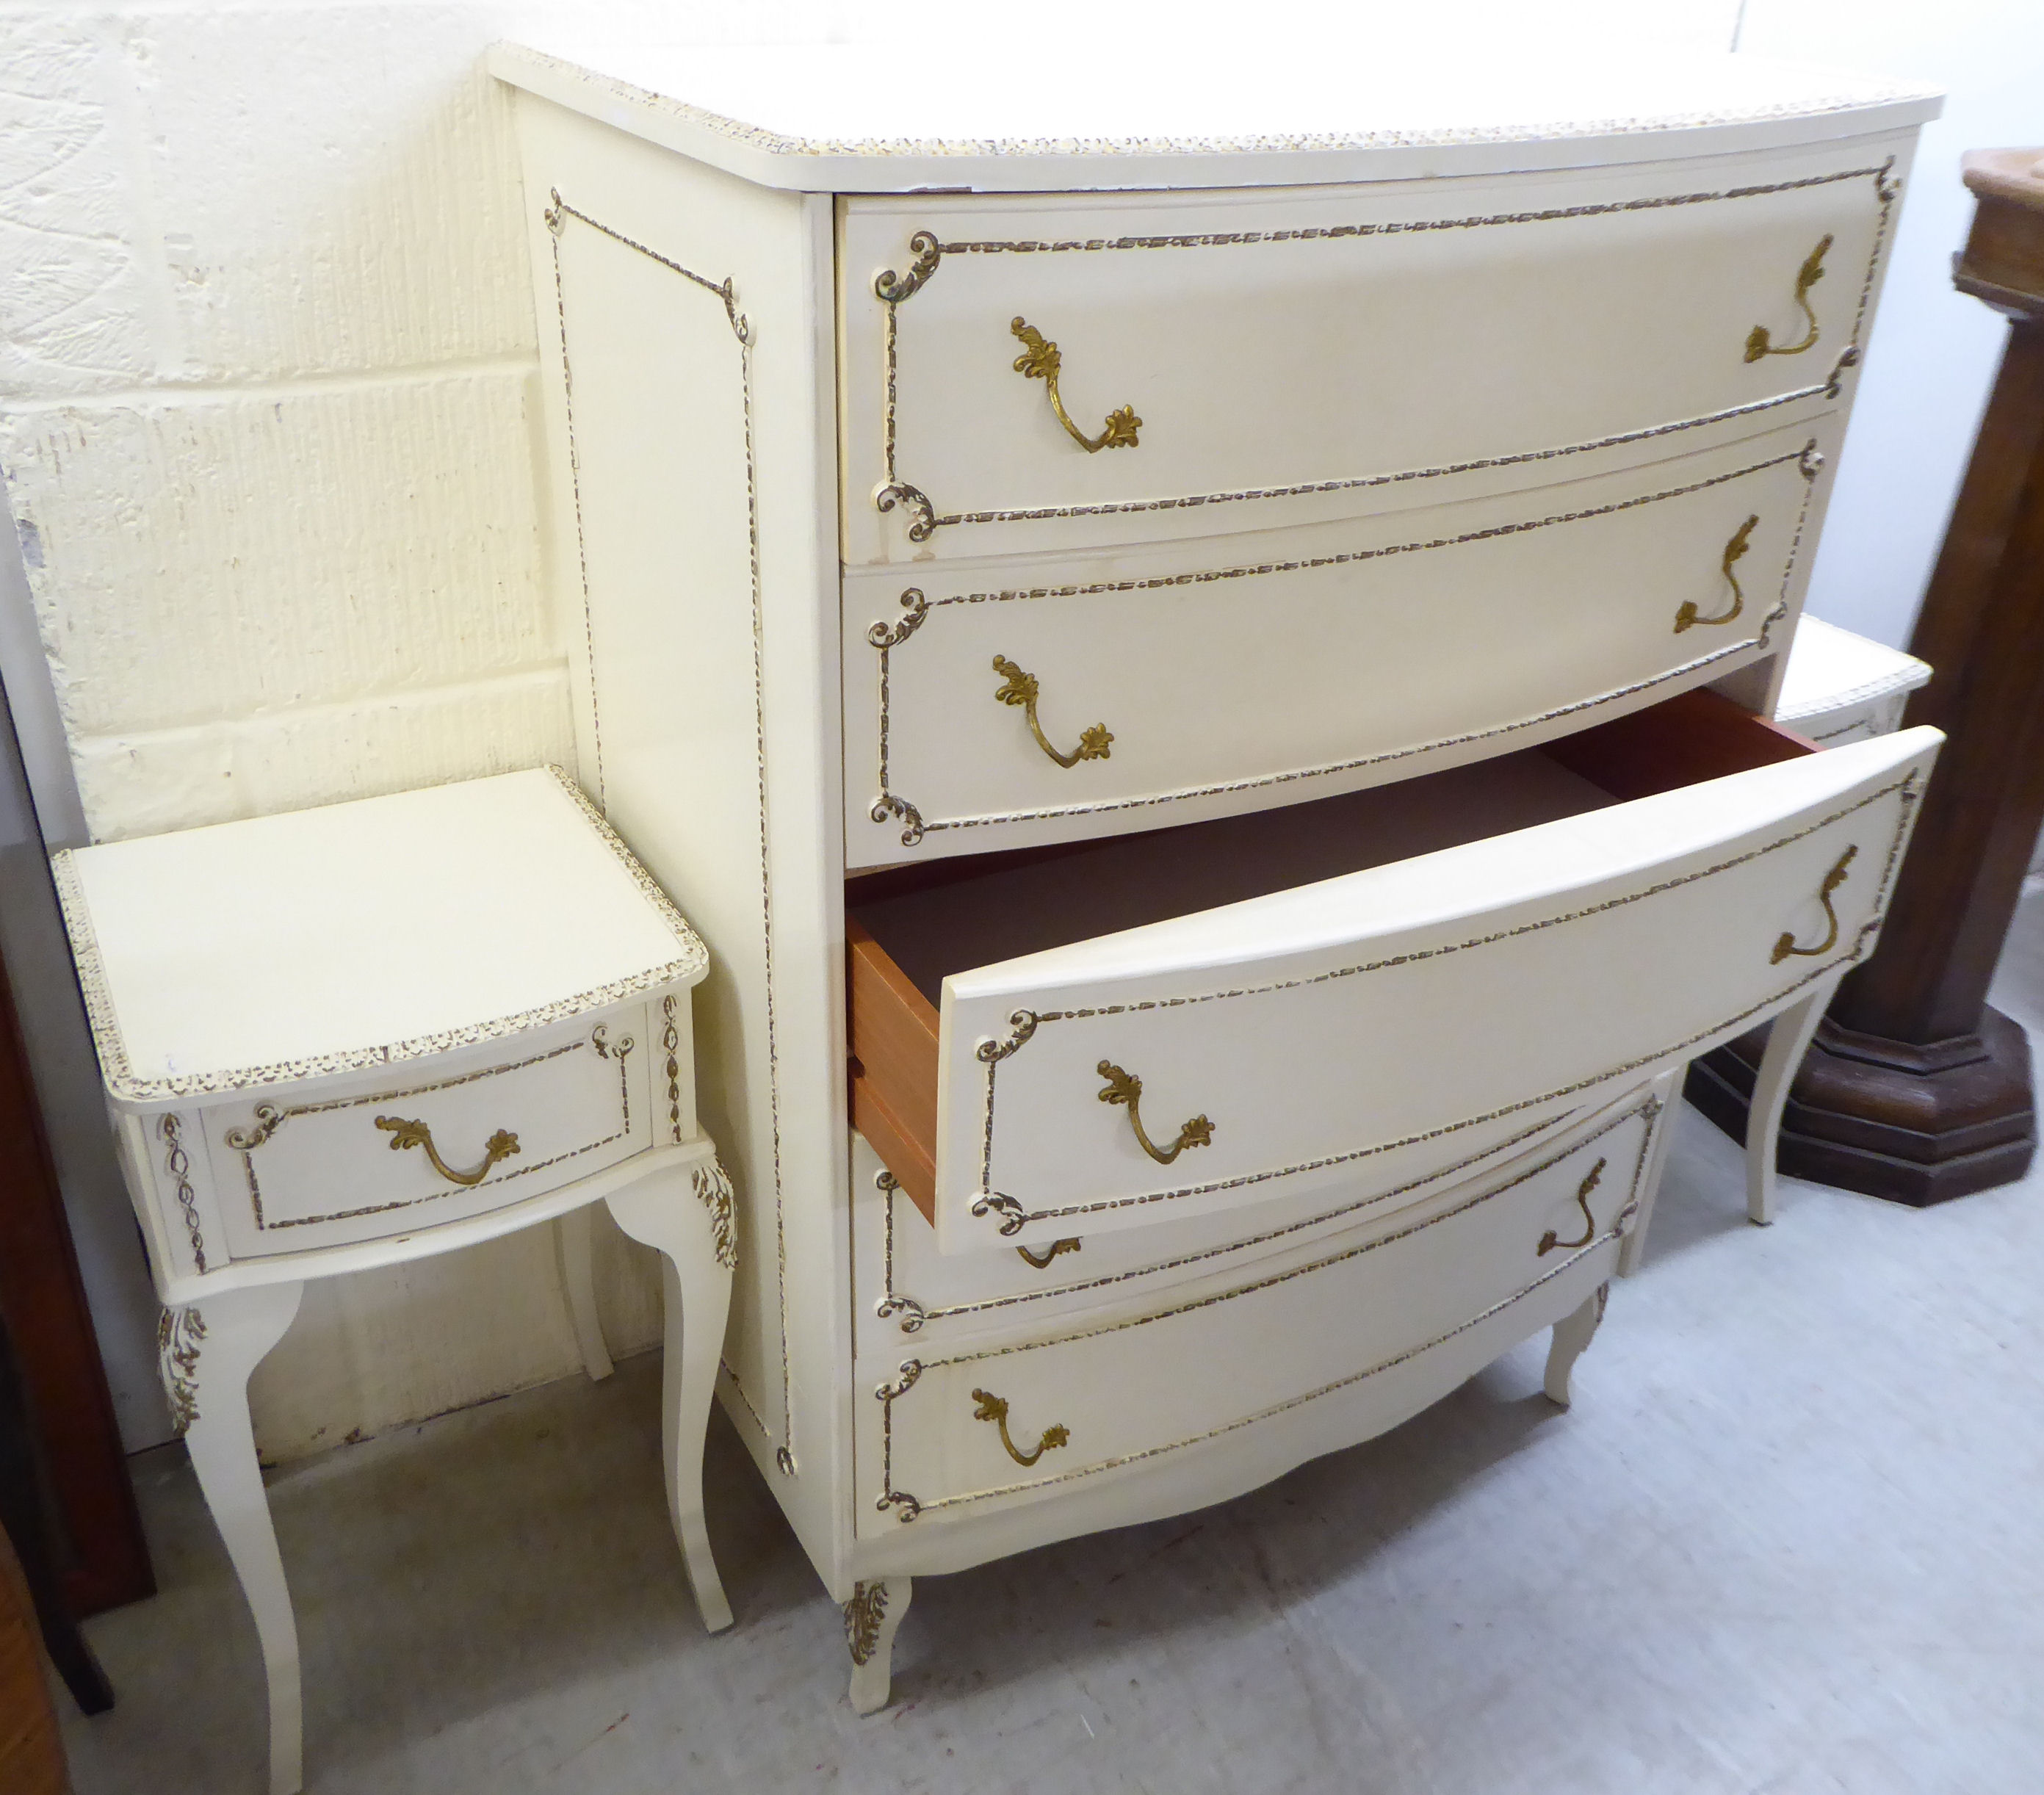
{"x":207,"y":1352}
{"x":871,"y":1618}
{"x":1787,"y":1042}
{"x":689,"y":1224}
{"x":1572,"y":1334}
{"x":572,"y":1260}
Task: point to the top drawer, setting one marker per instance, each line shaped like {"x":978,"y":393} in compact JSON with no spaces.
{"x":1050,"y":372}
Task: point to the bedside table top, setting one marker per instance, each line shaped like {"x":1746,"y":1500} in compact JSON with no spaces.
{"x":287,"y":948}
{"x":1192,"y":110}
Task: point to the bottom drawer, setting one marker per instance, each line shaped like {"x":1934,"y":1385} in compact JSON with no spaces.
{"x":1001,"y":1425}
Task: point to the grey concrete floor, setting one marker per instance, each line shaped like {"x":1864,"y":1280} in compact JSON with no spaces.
{"x":1790,"y":1540}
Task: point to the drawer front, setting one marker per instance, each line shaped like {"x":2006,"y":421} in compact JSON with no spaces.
{"x":1375,"y":1028}
{"x":911,"y":1298}
{"x":959,"y":1430}
{"x":1003,"y":706}
{"x":1030,"y":372}
{"x":371,"y":1161}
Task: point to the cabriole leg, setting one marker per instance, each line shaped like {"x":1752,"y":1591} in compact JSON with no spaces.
{"x":1787,"y":1042}
{"x":1571,"y":1333}
{"x":572,"y":1259}
{"x":871,"y":1619}
{"x":687,"y":1219}
{"x":206,"y":1351}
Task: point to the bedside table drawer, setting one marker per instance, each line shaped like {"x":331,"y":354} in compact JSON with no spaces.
{"x":1062,"y":371}
{"x":990,"y":706}
{"x":1000,"y":1423}
{"x":473,"y":1134}
{"x":1118,"y":1043}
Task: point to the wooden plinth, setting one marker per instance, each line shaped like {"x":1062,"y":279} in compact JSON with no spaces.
{"x":1915,"y":1089}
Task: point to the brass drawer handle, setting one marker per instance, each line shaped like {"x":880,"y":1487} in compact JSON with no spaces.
{"x":501,"y":1145}
{"x":1125,"y":1088}
{"x":1040,"y":360}
{"x":1833,"y":879}
{"x":1094,"y":744}
{"x":1550,"y":1240}
{"x":1734,"y":550}
{"x":994,"y":1408}
{"x":1757,"y":341}
{"x":1049,"y":1253}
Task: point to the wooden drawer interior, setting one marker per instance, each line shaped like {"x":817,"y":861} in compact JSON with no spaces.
{"x":908,"y":929}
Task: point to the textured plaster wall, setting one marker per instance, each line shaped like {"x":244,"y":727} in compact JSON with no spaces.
{"x":267,"y":404}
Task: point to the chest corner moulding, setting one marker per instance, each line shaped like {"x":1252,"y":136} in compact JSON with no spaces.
{"x":1219,"y":840}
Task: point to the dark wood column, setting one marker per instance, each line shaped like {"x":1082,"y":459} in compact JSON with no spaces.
{"x":1914,"y":1087}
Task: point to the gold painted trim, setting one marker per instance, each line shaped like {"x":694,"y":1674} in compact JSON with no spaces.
{"x":742,"y":331}
{"x":911,"y":1507}
{"x":927,"y":521}
{"x":1095,"y":742}
{"x":916,"y":607}
{"x":713,"y":1190}
{"x":1014,"y":1216}
{"x":177,"y":1162}
{"x":1785,"y":947}
{"x":1042,"y":359}
{"x":1125,"y":1089}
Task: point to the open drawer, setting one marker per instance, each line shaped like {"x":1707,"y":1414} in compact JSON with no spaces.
{"x":1376,"y":988}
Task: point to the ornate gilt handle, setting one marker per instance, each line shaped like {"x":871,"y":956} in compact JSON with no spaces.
{"x":1094,"y":744}
{"x":1833,"y":879}
{"x":1125,"y":1088}
{"x":1551,"y":1239}
{"x":1734,"y":550}
{"x":1758,"y":343}
{"x":1040,"y":360}
{"x":501,"y":1145}
{"x":994,"y":1408}
{"x":1049,"y":1253}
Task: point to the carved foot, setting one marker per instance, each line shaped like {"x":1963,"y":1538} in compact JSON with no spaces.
{"x":870,"y":1619}
{"x":1572,"y":1334}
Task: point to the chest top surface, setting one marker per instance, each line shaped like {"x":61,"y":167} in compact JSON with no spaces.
{"x":1187,"y":113}
{"x":285,"y":948}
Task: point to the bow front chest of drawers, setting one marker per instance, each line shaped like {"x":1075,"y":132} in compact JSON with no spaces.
{"x":1202,"y":666}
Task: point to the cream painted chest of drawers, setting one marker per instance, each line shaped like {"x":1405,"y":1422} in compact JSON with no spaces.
{"x":1196,"y":661}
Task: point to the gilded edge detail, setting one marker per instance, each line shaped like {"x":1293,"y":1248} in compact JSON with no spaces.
{"x":863,"y":1615}
{"x":916,"y":606}
{"x":912,"y":1369}
{"x":892,"y":289}
{"x":1015,"y":1216}
{"x":123,"y":1083}
{"x":177,"y":1161}
{"x":556,"y":214}
{"x":179,"y":1335}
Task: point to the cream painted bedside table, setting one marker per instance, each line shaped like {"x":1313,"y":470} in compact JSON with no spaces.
{"x":344,"y":1037}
